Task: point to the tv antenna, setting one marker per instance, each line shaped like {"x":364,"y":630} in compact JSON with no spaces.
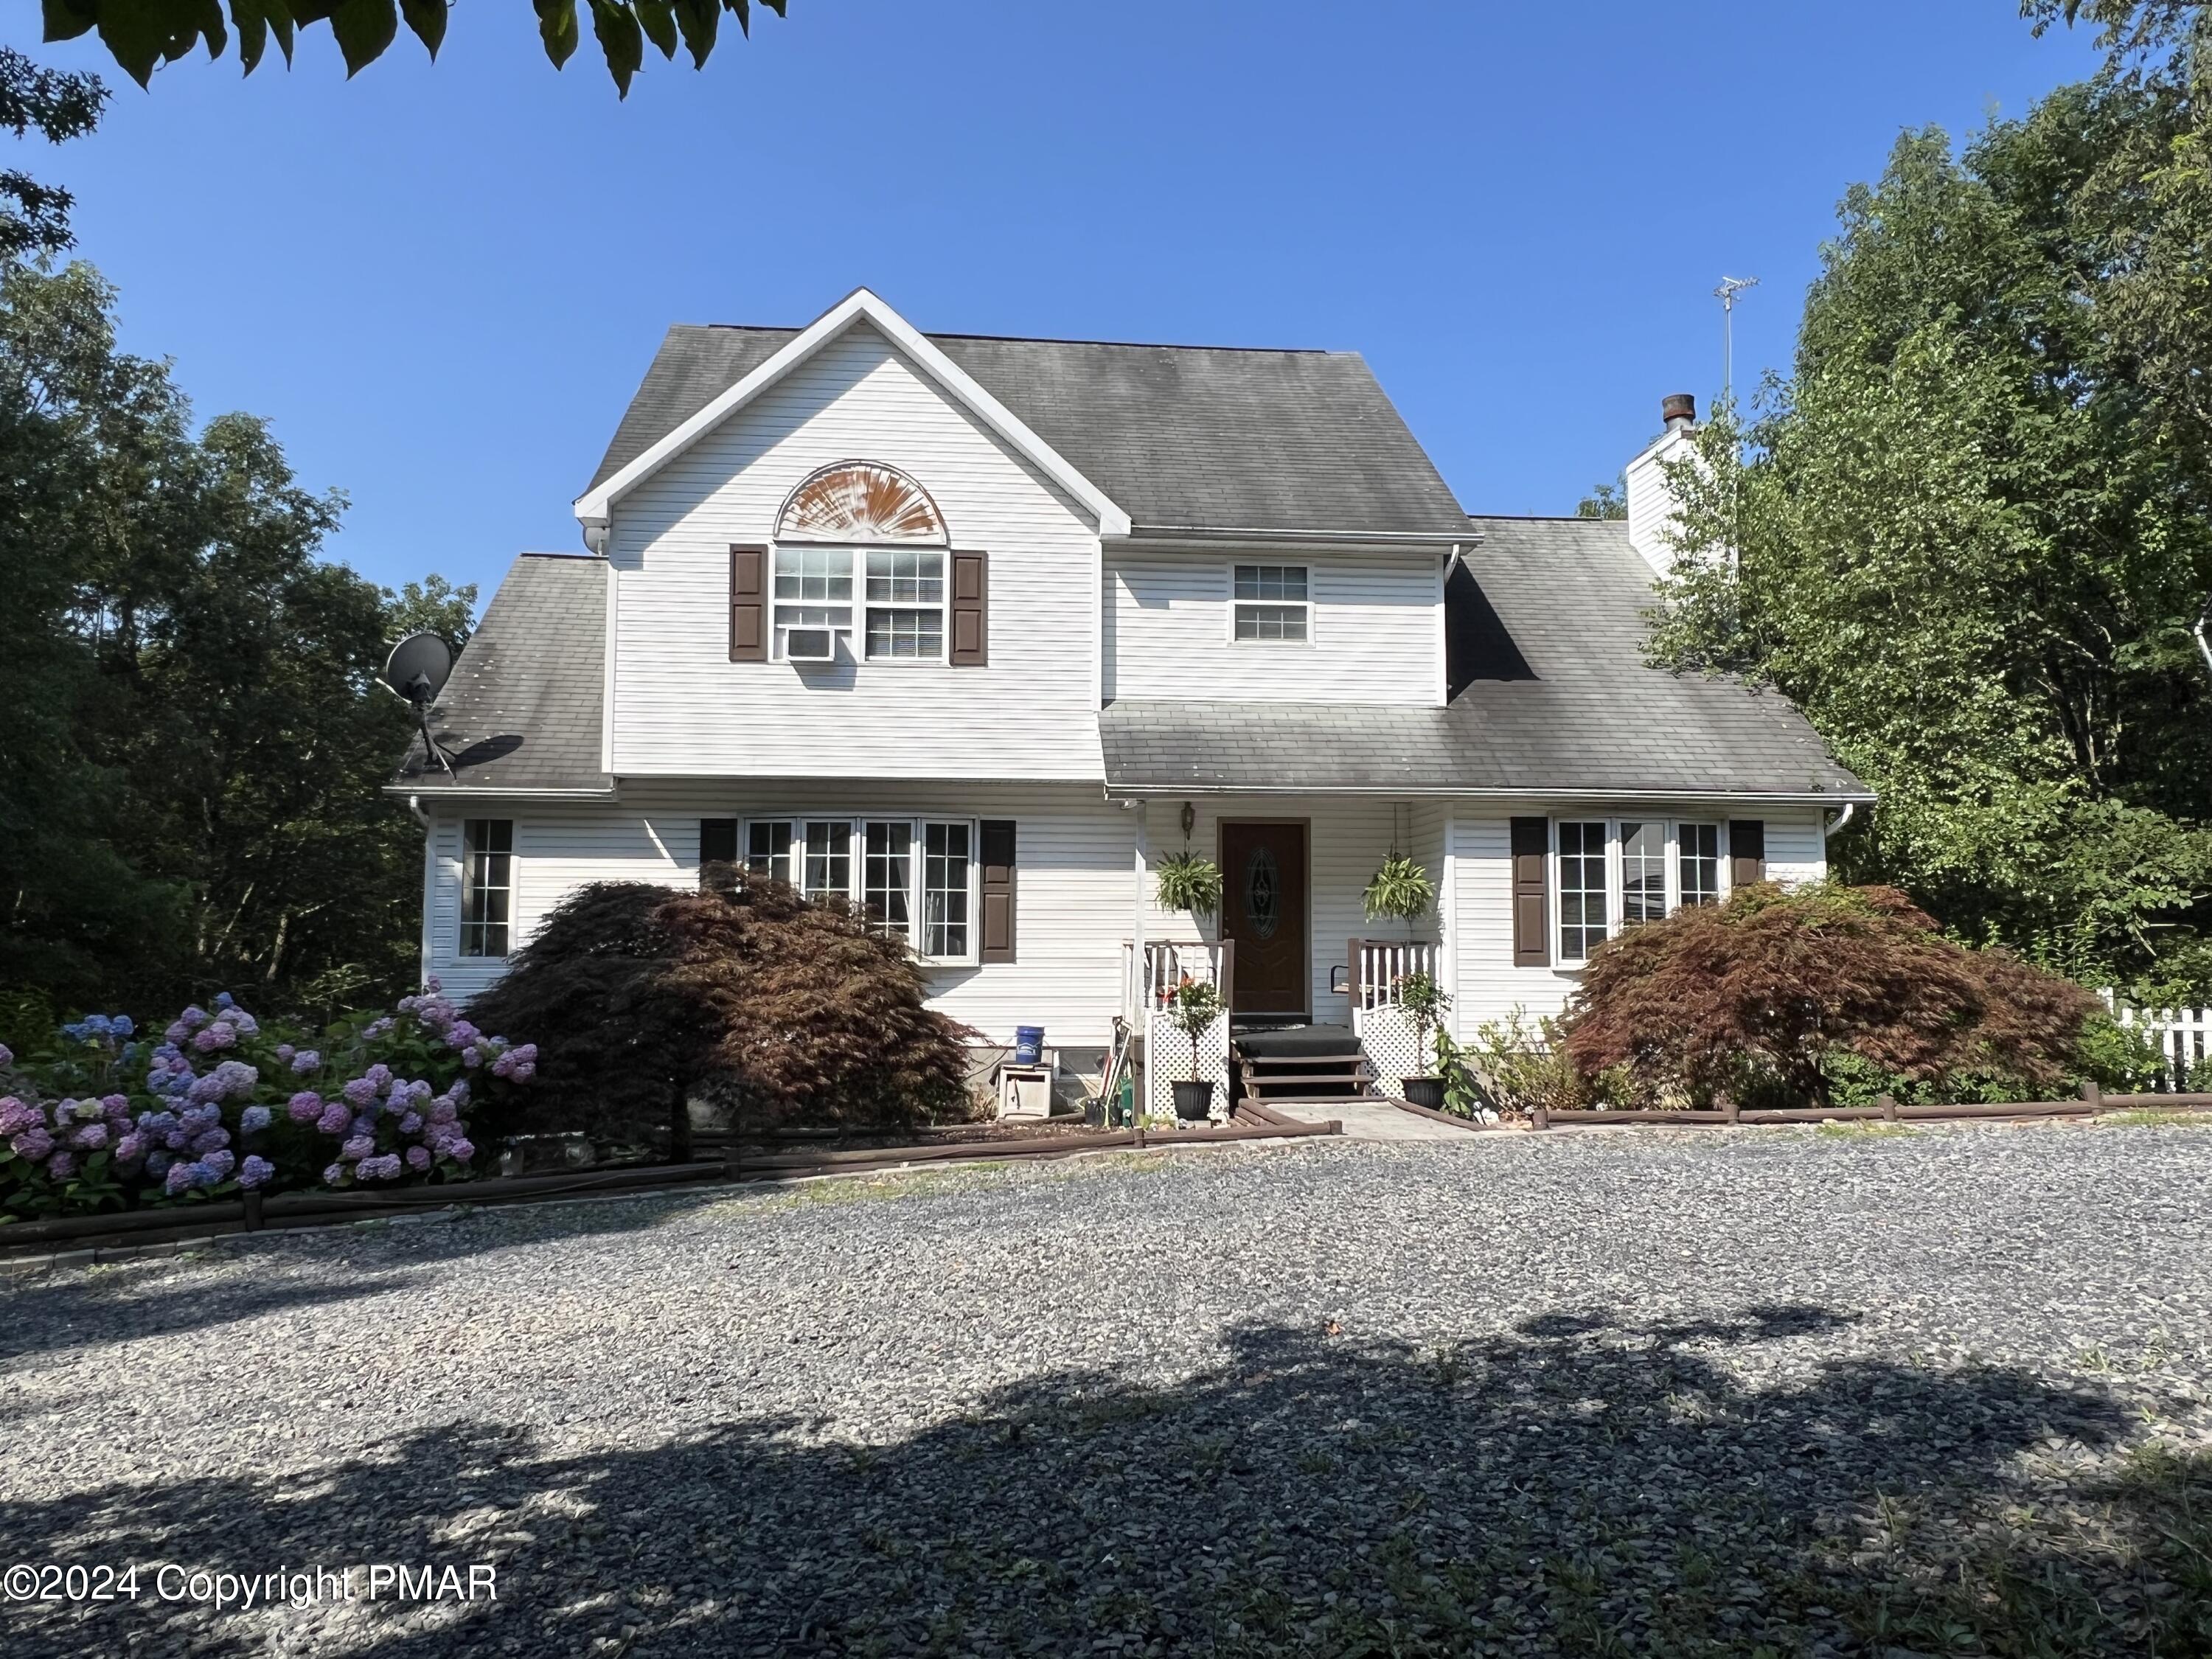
{"x":1726,"y":294}
{"x":416,"y":672}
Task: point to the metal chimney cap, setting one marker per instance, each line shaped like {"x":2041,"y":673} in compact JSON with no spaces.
{"x":1679,"y":410}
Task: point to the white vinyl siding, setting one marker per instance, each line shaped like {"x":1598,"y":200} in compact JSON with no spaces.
{"x":1271,"y":605}
{"x":1074,"y":886}
{"x":682,"y":709}
{"x":1372,"y":630}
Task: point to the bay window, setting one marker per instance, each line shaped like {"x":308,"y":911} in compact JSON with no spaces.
{"x":1615,"y":873}
{"x":911,"y":879}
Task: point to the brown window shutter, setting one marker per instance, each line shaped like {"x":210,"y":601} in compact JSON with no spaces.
{"x":1746,"y":851}
{"x":748,"y":604}
{"x":1531,"y":890}
{"x":970,"y":599}
{"x":997,"y":851}
{"x":718,"y":843}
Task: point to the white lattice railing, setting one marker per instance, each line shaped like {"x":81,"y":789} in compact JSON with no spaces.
{"x":2183,"y":1035}
{"x":1374,"y":966}
{"x":1145,"y":986}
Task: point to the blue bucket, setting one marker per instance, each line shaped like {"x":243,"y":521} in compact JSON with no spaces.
{"x":1029,"y":1044}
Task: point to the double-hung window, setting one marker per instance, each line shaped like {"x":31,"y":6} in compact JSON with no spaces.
{"x":912,"y":878}
{"x":487,"y":878}
{"x":813,"y":601}
{"x":1615,"y":873}
{"x":906,"y":604}
{"x":1273,"y":605}
{"x":902,"y":604}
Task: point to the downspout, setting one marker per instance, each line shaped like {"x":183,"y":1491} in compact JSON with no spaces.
{"x":430,"y":886}
{"x":2204,"y":621}
{"x":1842,"y":819}
{"x":1140,"y":1011}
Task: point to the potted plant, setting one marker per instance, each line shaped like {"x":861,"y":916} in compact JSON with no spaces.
{"x":1426,"y":1005}
{"x":1188,"y":881}
{"x":1402,"y":891}
{"x":1193,"y":1006}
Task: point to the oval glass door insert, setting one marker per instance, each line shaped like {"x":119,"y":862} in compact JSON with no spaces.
{"x":1263,"y":893}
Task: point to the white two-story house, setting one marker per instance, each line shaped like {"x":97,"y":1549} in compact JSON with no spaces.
{"x":973,"y":632}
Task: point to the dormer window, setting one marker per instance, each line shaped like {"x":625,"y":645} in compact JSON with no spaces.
{"x":831,"y":539}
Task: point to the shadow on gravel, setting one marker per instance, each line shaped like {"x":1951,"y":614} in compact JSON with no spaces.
{"x":1585,"y":1486}
{"x":83,"y":1311}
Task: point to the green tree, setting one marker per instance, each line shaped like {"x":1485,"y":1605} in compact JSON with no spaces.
{"x":141,"y":34}
{"x":1969,"y":534}
{"x":1605,"y":501}
{"x":433,"y":606}
{"x":195,"y":745}
{"x":35,"y":217}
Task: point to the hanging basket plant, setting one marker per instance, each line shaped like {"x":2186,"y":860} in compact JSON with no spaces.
{"x":1401,"y":890}
{"x":1190,"y":882}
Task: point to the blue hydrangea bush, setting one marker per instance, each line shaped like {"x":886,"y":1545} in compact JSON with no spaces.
{"x":107,"y":1118}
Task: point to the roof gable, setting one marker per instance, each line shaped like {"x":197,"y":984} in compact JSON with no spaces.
{"x":859,"y":308}
{"x":1180,"y":437}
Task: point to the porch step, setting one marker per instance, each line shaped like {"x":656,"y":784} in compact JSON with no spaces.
{"x":1305,"y":1062}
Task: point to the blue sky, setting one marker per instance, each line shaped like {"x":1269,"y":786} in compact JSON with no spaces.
{"x":442,"y":282}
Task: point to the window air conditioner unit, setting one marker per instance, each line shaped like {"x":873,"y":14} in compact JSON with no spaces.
{"x":810,"y":645}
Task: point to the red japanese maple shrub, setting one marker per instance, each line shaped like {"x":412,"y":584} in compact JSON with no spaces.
{"x":1744,"y":999}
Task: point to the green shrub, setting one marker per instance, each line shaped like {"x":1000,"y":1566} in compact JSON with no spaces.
{"x":1521,"y":1067}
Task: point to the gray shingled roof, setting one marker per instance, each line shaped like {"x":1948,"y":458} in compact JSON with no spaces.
{"x":522,"y":709}
{"x":1572,"y":594}
{"x":1177,"y":436}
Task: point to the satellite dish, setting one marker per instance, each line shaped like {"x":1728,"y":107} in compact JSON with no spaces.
{"x":416,"y":672}
{"x":417,"y":668}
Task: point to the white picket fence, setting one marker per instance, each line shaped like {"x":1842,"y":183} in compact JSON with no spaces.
{"x":2183,"y":1035}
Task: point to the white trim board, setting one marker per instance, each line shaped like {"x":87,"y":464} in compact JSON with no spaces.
{"x":595,"y":505}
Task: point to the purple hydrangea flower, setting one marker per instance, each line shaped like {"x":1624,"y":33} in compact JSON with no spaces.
{"x":116,"y":1106}
{"x":122,"y":1025}
{"x":255,"y":1171}
{"x":253,"y":1119}
{"x":61,"y":1166}
{"x":360,"y":1091}
{"x":224,"y":999}
{"x":34,"y":1143}
{"x":209,"y":1038}
{"x":379,"y":1076}
{"x":193,"y":1018}
{"x":306,"y":1060}
{"x":458,"y":1091}
{"x":130,"y":1149}
{"x":15,"y":1116}
{"x":6,"y":1056}
{"x":443,"y":1111}
{"x":358,"y":1147}
{"x":219,"y":1165}
{"x":378,"y":1028}
{"x":386,"y":1168}
{"x":523,"y":1057}
{"x":411,"y":1124}
{"x":461,"y":1149}
{"x":285,"y":1051}
{"x":464,"y":1034}
{"x":208,"y":1141}
{"x":181,"y":1176}
{"x":334,"y":1174}
{"x":305,"y":1107}
{"x":336,"y":1119}
{"x":91,"y":1138}
{"x":471,"y":1057}
{"x":418,"y":1158}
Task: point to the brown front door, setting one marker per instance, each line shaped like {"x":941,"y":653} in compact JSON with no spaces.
{"x":1263,"y":908}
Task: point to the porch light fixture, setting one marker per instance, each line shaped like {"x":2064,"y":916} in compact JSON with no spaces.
{"x":1190,"y":812}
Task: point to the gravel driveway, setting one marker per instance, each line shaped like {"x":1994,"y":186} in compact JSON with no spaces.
{"x":1761,"y":1391}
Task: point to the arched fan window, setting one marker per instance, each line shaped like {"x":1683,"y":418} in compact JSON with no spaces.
{"x":860,"y":501}
{"x":860,"y":522}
